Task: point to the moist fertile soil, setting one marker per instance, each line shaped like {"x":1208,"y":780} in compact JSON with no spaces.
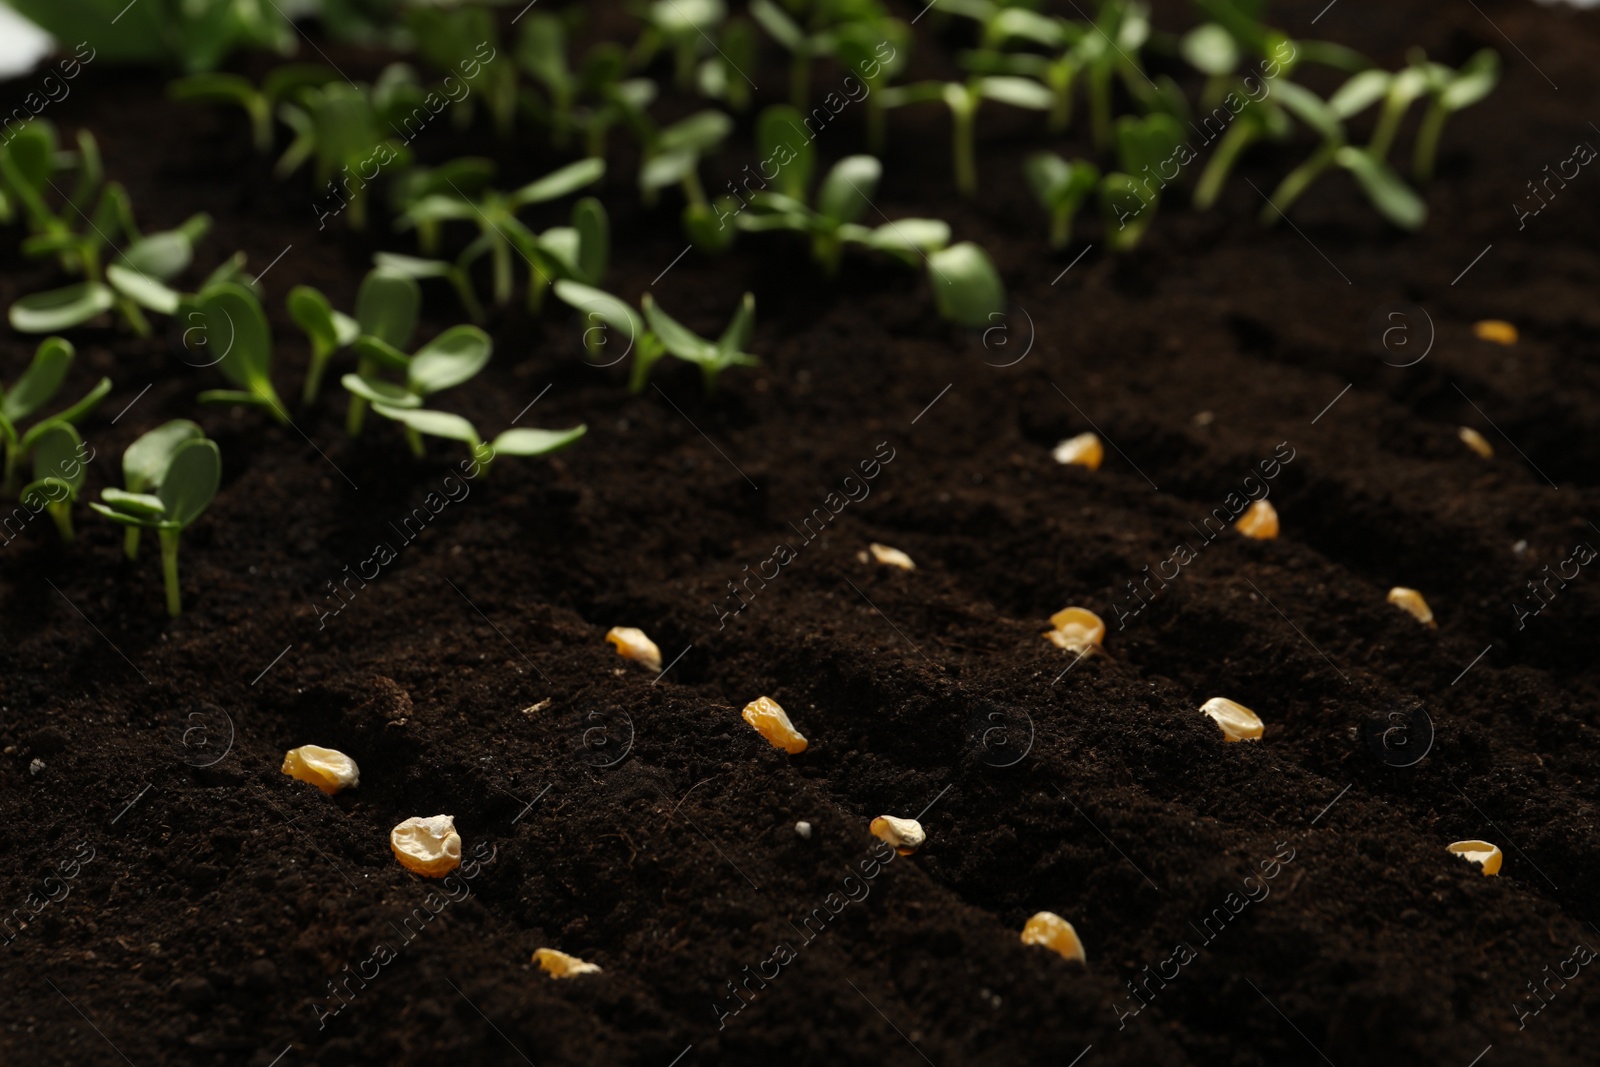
{"x":1288,"y":901}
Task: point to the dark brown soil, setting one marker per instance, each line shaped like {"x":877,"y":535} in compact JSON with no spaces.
{"x":472,"y":676}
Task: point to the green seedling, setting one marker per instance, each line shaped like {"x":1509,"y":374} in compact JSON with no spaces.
{"x":1384,"y":189}
{"x":32,"y":391}
{"x":722,"y":75}
{"x":542,"y":53}
{"x":232,"y":324}
{"x":963,"y":98}
{"x":674,"y":159}
{"x":1129,"y":198}
{"x":464,"y":177}
{"x":658,"y":334}
{"x":803,"y":47}
{"x":1449,"y":91}
{"x":420,"y":269}
{"x":190,"y":34}
{"x":1242,"y":19}
{"x":281,"y":84}
{"x":875,"y":50}
{"x":580,"y":250}
{"x":58,"y":475}
{"x":327,"y":330}
{"x":454,"y":357}
{"x":1061,"y":188}
{"x":464,"y":41}
{"x":966,"y":287}
{"x":512,"y":442}
{"x":340,"y":129}
{"x":145,"y":463}
{"x":687,"y":28}
{"x":193,"y":473}
{"x":592,"y":99}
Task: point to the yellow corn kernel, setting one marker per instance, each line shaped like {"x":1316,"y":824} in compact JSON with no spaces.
{"x":1478,"y":852}
{"x":633,"y":644}
{"x":427,"y":846}
{"x":1083,"y":450}
{"x":904,"y":834}
{"x":327,"y":769}
{"x":1259,"y":521}
{"x":1475,"y":441}
{"x":1411,"y":601}
{"x":1238,"y":722}
{"x":891,"y":557}
{"x":1496,"y":330}
{"x":772,"y":722}
{"x":1076,"y":630}
{"x":1054,"y":933}
{"x":558,"y":964}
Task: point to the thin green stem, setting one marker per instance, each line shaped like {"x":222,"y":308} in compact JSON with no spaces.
{"x":501,"y":249}
{"x":962,"y":121}
{"x":414,"y":439}
{"x":169,"y":569}
{"x":1100,"y":103}
{"x":356,"y":412}
{"x":1239,"y":137}
{"x":130,"y":542}
{"x":1061,"y":225}
{"x":1428,"y":141}
{"x":1394,"y":109}
{"x":320,"y":354}
{"x":62,"y":514}
{"x":693,"y":191}
{"x":799,"y":80}
{"x":13,"y":454}
{"x":1297,"y":182}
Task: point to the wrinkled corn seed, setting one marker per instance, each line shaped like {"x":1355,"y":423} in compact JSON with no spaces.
{"x":1083,"y":450}
{"x":1478,"y":852}
{"x":891,"y":557}
{"x":904,"y":834}
{"x":428,"y":846}
{"x":1054,"y":933}
{"x":1496,"y":330}
{"x":558,"y":964}
{"x":633,"y":644}
{"x":1238,"y":722}
{"x":1259,"y":521}
{"x":327,"y":769}
{"x":1475,"y":441}
{"x":772,"y":722}
{"x":1076,"y":630}
{"x":1411,"y":601}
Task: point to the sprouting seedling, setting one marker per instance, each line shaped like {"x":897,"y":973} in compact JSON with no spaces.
{"x":966,"y":287}
{"x":674,"y":159}
{"x":658,"y":334}
{"x":192,"y":36}
{"x":963,"y":98}
{"x":387,"y":307}
{"x":721,"y":75}
{"x":846,"y":191}
{"x":463,"y":177}
{"x":513,"y":442}
{"x":1130,"y":197}
{"x":420,"y":269}
{"x":339,"y":128}
{"x":32,"y":391}
{"x":1450,"y":91}
{"x":258,"y":103}
{"x":877,"y":50}
{"x":454,"y":357}
{"x":615,"y":99}
{"x":465,"y":39}
{"x":1242,"y":19}
{"x":583,"y":246}
{"x":58,"y":475}
{"x":328,"y":331}
{"x":803,"y":47}
{"x":687,"y":27}
{"x":713,"y":357}
{"x":190,"y":482}
{"x":1061,"y":188}
{"x":1111,"y":45}
{"x":1384,"y":189}
{"x":145,"y":463}
{"x":542,"y":53}
{"x":233,"y":325}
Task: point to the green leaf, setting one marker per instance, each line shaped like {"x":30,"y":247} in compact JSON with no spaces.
{"x":589,"y":219}
{"x":122,"y":517}
{"x":1210,"y":49}
{"x":39,"y":382}
{"x":432,"y":423}
{"x":61,"y":309}
{"x":1474,"y":81}
{"x":1360,"y":92}
{"x":1398,"y":202}
{"x":235,"y":321}
{"x":138,"y":506}
{"x":143,"y":289}
{"x":191,"y":481}
{"x":312,"y":312}
{"x":698,"y":133}
{"x":707,"y":230}
{"x":779,"y":25}
{"x":387,"y":305}
{"x":1310,"y":109}
{"x":58,"y":455}
{"x":848,"y":187}
{"x":966,"y":287}
{"x":1018,"y":23}
{"x":675,"y":337}
{"x":558,"y":183}
{"x":1018,"y":92}
{"x":731,"y":344}
{"x":542,"y":50}
{"x":910,"y":236}
{"x":782,"y":143}
{"x":378,"y":391}
{"x":90,"y":401}
{"x":455,"y":356}
{"x":667,"y":168}
{"x":520,"y":442}
{"x":595,"y":303}
{"x":165,"y":255}
{"x":412,"y":266}
{"x":214,"y":88}
{"x":377,"y":350}
{"x":145,"y":462}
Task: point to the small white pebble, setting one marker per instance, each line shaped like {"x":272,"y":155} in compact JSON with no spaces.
{"x":891,"y":557}
{"x":803,"y":829}
{"x":1520,"y":548}
{"x":36,"y":766}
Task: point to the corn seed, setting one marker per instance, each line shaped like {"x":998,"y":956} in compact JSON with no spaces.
{"x":1259,"y":521}
{"x":1480,"y":852}
{"x":904,"y":834}
{"x":633,"y":644}
{"x":1054,"y":933}
{"x":1076,"y":630}
{"x":1238,"y":722}
{"x":891,"y":557}
{"x":558,"y":964}
{"x":1083,"y":450}
{"x":327,"y":769}
{"x":1475,"y":441}
{"x":1496,"y":330}
{"x":1410,"y":600}
{"x":427,"y":846}
{"x":772,"y":722}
